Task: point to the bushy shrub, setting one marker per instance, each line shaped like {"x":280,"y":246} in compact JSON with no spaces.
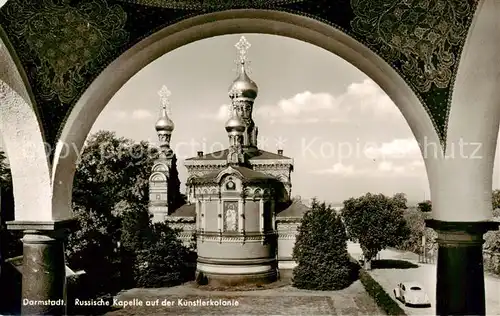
{"x":164,"y":261}
{"x":321,"y":251}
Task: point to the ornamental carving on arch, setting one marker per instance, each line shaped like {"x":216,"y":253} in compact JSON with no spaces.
{"x":420,"y":34}
{"x":66,"y":42}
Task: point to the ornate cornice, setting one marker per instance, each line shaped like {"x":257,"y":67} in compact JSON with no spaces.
{"x":244,"y":237}
{"x":288,"y":219}
{"x":180,"y":219}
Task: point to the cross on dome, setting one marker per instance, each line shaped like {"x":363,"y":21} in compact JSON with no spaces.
{"x":242,"y":46}
{"x":164,"y":94}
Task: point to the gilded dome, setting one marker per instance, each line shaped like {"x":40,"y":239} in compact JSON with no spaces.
{"x":243,"y":85}
{"x":235,"y":124}
{"x":164,"y":123}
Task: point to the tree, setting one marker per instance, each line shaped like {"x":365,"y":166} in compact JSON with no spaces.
{"x":415,"y":220}
{"x":400,"y":200}
{"x":5,"y":176}
{"x":136,"y":232}
{"x":93,"y":247}
{"x":495,"y":199}
{"x":320,"y":251}
{"x":112,"y":169}
{"x":425,"y":206}
{"x":10,"y":241}
{"x":376,"y":221}
{"x":111,"y":179}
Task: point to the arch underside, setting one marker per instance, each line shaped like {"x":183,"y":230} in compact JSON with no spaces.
{"x":422,"y":42}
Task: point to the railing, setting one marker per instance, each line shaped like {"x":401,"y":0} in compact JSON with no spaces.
{"x":427,"y":257}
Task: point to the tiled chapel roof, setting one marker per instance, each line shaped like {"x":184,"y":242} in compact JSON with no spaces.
{"x":186,"y":210}
{"x":222,"y":155}
{"x":296,"y":209}
{"x":247,"y":173}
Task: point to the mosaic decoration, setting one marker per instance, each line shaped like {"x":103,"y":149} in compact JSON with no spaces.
{"x":230,"y":216}
{"x":422,"y":39}
{"x":66,"y":40}
{"x":64,"y":44}
{"x":211,"y":4}
{"x":420,"y":35}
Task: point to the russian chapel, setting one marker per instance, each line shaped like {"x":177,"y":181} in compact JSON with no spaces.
{"x":239,"y":202}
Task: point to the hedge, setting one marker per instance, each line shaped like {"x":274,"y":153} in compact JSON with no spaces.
{"x":383,"y":300}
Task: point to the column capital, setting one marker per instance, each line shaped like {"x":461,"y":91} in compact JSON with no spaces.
{"x":471,"y":228}
{"x":54,"y":228}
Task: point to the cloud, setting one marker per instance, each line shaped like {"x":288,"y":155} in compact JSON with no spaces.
{"x":363,"y":99}
{"x":337,"y":169}
{"x":138,"y":114}
{"x":299,"y":104}
{"x":119,"y":114}
{"x":221,"y":114}
{"x":360,"y":99}
{"x":396,"y":149}
{"x":141,"y":114}
{"x":383,"y":169}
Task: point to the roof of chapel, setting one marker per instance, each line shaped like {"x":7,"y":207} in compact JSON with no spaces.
{"x":222,"y":155}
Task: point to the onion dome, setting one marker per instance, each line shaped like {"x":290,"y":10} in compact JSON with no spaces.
{"x":164,"y":123}
{"x":235,"y":124}
{"x":243,"y":86}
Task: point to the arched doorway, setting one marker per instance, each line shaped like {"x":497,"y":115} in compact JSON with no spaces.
{"x":102,"y":88}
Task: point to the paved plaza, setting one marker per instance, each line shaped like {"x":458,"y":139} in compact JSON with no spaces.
{"x":279,"y":301}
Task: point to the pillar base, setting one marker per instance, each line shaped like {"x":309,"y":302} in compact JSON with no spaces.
{"x":460,"y":276}
{"x":44,"y":269}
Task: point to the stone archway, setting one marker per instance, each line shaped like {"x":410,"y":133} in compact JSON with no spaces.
{"x":95,"y":98}
{"x":405,"y":78}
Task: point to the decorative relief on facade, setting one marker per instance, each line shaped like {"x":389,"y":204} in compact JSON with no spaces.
{"x":160,"y":167}
{"x":230,"y":209}
{"x":257,"y":193}
{"x":158,"y":177}
{"x":66,"y":42}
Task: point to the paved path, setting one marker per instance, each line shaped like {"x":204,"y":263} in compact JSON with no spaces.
{"x":280,"y":301}
{"x":425,"y":274}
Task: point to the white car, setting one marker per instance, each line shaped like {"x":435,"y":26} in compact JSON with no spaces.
{"x":411,"y":294}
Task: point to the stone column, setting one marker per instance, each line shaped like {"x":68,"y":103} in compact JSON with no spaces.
{"x":44,"y":267}
{"x":460,"y":276}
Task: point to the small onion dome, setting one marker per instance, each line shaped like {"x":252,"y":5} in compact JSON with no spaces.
{"x":243,"y":85}
{"x":164,"y":123}
{"x":235,"y":124}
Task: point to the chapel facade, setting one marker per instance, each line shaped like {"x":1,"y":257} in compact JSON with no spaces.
{"x":239,"y":203}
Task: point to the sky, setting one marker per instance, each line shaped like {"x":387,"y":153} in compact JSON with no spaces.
{"x":344,"y":133}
